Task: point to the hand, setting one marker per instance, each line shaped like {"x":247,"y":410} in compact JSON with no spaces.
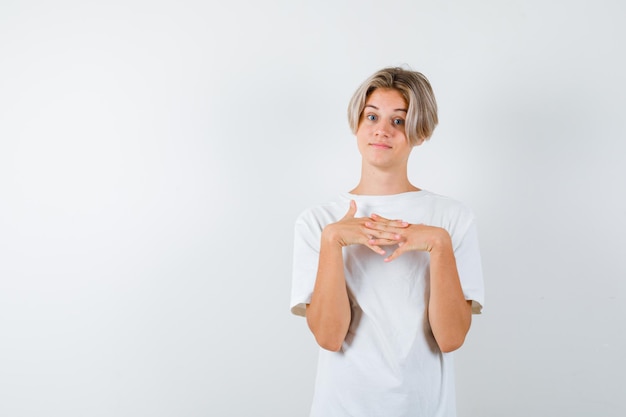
{"x":351,"y":230}
{"x":409,"y":237}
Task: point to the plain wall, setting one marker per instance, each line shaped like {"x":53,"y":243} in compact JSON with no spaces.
{"x":155,"y":154}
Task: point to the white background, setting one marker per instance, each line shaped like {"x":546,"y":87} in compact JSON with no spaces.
{"x":155,"y":154}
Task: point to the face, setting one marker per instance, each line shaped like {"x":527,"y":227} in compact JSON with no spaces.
{"x":381,"y":136}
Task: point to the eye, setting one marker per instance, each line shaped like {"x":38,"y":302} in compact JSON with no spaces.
{"x":371,"y":117}
{"x":398,"y":122}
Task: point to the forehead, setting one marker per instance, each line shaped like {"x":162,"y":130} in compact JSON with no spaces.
{"x":386,"y":97}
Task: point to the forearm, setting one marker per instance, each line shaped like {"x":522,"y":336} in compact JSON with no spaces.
{"x":449,"y":313}
{"x":328,"y":314}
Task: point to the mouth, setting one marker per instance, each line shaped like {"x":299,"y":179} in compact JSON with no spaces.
{"x":378,"y":145}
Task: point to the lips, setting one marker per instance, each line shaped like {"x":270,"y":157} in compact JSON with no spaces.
{"x":379,"y":145}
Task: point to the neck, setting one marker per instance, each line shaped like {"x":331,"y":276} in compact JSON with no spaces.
{"x":379,"y":182}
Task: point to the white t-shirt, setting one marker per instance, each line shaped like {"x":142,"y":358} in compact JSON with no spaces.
{"x":389,"y":364}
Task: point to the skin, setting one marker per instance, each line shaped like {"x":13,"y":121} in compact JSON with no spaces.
{"x":385,"y":152}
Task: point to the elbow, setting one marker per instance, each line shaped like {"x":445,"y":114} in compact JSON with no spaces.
{"x":451,"y":340}
{"x":329,"y":334}
{"x":331,"y":344}
{"x":450,"y":336}
{"x":329,"y":340}
{"x":450,"y":345}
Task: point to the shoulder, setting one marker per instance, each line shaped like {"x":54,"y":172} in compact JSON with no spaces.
{"x":321,"y":212}
{"x":318,"y":216}
{"x":450,"y":212}
{"x":447,"y":204}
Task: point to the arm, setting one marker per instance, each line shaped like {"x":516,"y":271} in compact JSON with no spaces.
{"x":328,"y":315}
{"x":449,"y":313}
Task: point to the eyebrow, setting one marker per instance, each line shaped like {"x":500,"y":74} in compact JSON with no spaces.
{"x":374,"y":107}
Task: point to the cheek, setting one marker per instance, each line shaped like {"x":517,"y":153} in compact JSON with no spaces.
{"x":361,"y":135}
{"x":361,"y":143}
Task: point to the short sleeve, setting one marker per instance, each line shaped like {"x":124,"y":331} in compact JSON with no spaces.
{"x":306,"y":250}
{"x":469,"y":266}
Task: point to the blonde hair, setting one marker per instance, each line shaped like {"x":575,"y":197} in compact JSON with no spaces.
{"x":421,"y":118}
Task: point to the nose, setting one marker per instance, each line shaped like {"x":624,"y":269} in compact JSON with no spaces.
{"x":382,"y":130}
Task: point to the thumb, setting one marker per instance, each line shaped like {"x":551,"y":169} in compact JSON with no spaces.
{"x":351,"y":211}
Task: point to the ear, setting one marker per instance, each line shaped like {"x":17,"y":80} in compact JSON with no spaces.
{"x":419,"y":142}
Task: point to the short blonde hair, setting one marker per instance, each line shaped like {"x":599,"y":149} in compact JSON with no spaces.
{"x":421,"y":118}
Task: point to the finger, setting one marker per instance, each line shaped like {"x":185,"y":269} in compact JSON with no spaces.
{"x":382,"y":242}
{"x":351,"y":211}
{"x":400,"y":223}
{"x":377,"y":249}
{"x":393,"y":223}
{"x":382,"y":232}
{"x":395,"y":254}
{"x":379,"y":217}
